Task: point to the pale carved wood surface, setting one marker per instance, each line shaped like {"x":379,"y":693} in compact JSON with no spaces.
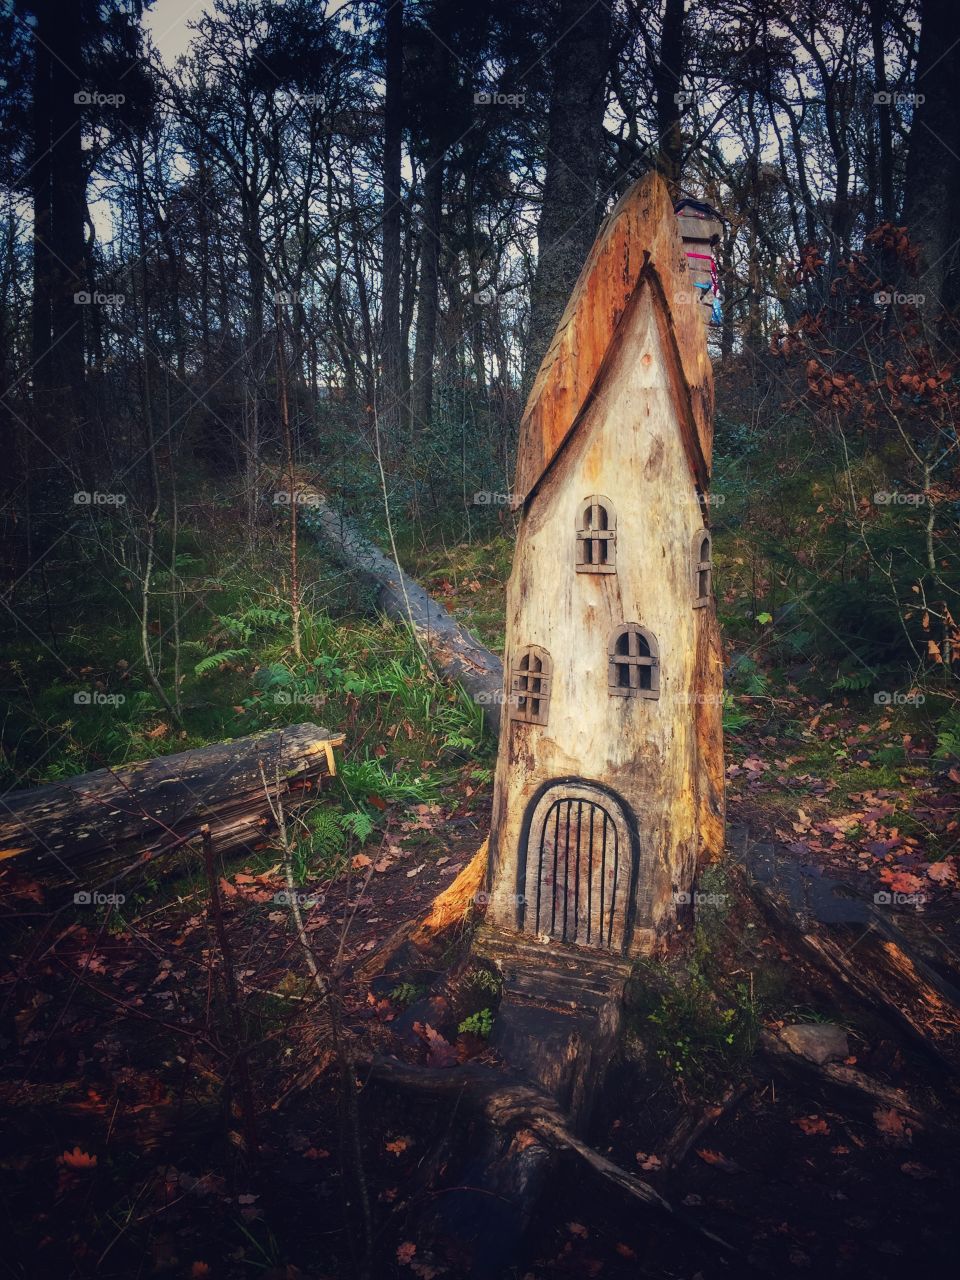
{"x":640,"y":234}
{"x":622,"y":407}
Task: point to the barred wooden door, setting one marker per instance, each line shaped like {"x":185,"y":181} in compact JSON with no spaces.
{"x":578,"y":868}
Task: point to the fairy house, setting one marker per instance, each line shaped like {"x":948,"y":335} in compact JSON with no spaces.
{"x":609,"y":785}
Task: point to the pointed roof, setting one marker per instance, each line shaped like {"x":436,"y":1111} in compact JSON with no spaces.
{"x":638,"y":246}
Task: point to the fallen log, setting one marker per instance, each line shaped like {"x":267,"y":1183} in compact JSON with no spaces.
{"x":457,"y":654}
{"x":99,"y":826}
{"x":854,"y":1086}
{"x":854,"y":947}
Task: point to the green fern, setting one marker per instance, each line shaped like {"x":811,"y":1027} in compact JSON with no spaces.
{"x":243,"y":624}
{"x":853,"y":681}
{"x":358,"y":823}
{"x":216,"y":661}
{"x":405,"y":994}
{"x":733,"y":718}
{"x":327,"y":835}
{"x":273,"y":676}
{"x":480,"y":1024}
{"x":948,"y":737}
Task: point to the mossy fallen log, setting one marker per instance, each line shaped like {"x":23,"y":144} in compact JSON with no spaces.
{"x":99,"y":826}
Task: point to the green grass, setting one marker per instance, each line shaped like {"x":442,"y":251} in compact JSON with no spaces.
{"x":407,"y":732}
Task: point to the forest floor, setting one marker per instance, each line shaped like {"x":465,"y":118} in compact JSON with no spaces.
{"x":125,"y":1152}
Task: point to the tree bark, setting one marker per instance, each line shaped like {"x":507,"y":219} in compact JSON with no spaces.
{"x":83,"y":830}
{"x":884,"y":126}
{"x":390,"y":406}
{"x":668,"y":81}
{"x":568,"y":217}
{"x":421,"y":393}
{"x":933,"y":169}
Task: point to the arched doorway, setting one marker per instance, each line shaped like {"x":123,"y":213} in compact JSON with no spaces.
{"x":577,"y":869}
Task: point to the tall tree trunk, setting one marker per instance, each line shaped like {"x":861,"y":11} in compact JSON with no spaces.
{"x":569,"y":214}
{"x":884,"y":128}
{"x":390,"y":410}
{"x":933,"y":169}
{"x":668,"y":82}
{"x":40,"y":183}
{"x":67,"y":204}
{"x":421,"y":393}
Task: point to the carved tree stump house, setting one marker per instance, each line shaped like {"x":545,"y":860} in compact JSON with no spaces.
{"x":609,"y":783}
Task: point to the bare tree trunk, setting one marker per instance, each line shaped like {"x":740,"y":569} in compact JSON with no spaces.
{"x":884,"y":129}
{"x":153,"y":475}
{"x":390,"y":408}
{"x":933,"y":170}
{"x":568,"y":216}
{"x":668,"y":81}
{"x":292,"y":486}
{"x":421,"y":393}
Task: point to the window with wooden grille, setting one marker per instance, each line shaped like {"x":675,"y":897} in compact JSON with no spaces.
{"x":634,"y":662}
{"x":530,"y":686}
{"x":702,"y":569}
{"x":596,"y":536}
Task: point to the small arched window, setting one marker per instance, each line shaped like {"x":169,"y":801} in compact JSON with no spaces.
{"x":702,"y":569}
{"x":634,"y":662}
{"x":530,"y":686}
{"x":596,"y":536}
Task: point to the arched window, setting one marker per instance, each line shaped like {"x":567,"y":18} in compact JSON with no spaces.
{"x":596,"y":536}
{"x":634,"y":662}
{"x":530,"y":686}
{"x":702,"y":569}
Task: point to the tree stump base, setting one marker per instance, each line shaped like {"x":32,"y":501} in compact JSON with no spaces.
{"x":559,"y":1015}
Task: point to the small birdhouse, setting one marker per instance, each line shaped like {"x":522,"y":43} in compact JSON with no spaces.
{"x":609,"y":783}
{"x":701,"y":227}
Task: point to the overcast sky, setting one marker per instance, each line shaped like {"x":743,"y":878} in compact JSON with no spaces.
{"x":166,"y":20}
